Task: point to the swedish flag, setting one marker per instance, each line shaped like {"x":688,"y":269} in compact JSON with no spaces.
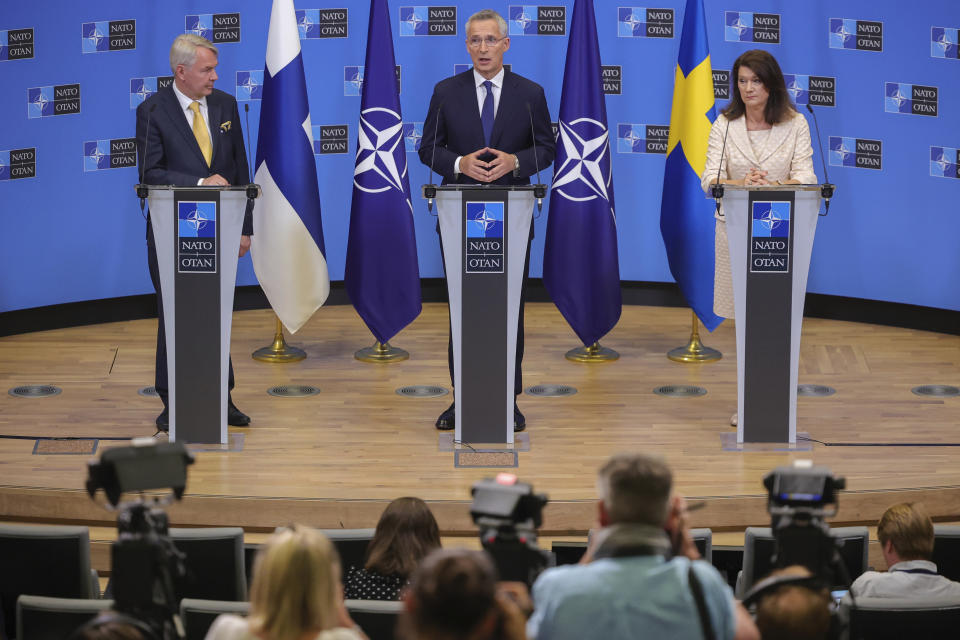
{"x":686,"y":216}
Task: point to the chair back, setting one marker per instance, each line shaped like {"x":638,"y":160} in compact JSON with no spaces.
{"x":946,"y":550}
{"x":377,"y":618}
{"x":43,"y":618}
{"x":214,"y":562}
{"x":42,"y":560}
{"x":895,"y":619}
{"x":351,"y":546}
{"x":198,"y":615}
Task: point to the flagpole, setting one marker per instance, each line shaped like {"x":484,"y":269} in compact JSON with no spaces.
{"x":381,"y":352}
{"x":694,"y":351}
{"x":593,"y":353}
{"x":279,"y":351}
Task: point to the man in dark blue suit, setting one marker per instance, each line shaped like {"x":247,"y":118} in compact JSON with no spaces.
{"x":488,"y":125}
{"x":190,"y":133}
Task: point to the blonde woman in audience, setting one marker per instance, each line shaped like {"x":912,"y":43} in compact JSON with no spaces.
{"x":296,"y":593}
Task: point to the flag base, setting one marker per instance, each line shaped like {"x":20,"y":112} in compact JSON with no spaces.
{"x":593,"y":353}
{"x":381,"y":352}
{"x":694,"y":351}
{"x":279,"y":351}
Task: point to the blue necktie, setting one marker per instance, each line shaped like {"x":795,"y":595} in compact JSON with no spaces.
{"x":486,"y":113}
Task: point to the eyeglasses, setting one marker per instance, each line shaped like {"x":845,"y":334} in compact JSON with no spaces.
{"x":490,"y":41}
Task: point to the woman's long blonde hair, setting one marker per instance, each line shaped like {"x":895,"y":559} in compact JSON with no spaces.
{"x":296,"y":581}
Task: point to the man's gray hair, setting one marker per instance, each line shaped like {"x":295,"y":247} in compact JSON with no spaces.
{"x":487,"y":14}
{"x":184,"y":50}
{"x":635,"y":488}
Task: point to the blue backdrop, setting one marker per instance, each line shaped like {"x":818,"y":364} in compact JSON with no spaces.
{"x":886,"y":72}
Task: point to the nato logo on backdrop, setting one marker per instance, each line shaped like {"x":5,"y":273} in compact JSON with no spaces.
{"x":412,"y":133}
{"x":862,"y":35}
{"x":216,"y":27}
{"x":143,"y":88}
{"x":819,"y":91}
{"x":108,"y":35}
{"x":944,"y":43}
{"x":250,"y":85}
{"x":534,"y":20}
{"x":747,"y":26}
{"x":16,"y":44}
{"x":428,"y":21}
{"x":916,"y":99}
{"x":18,"y":163}
{"x":944,"y":162}
{"x":485,"y":246}
{"x":721,"y":84}
{"x":331,"y":138}
{"x":315,"y":24}
{"x":641,"y":22}
{"x":109,"y":154}
{"x":353,"y":80}
{"x":611,"y":76}
{"x":55,"y":100}
{"x":642,"y":138}
{"x":860,"y":153}
{"x":770,"y":237}
{"x":196,"y":237}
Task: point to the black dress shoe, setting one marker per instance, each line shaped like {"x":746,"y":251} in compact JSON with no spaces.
{"x":235,"y":417}
{"x":447,"y":420}
{"x":163,"y":420}
{"x":519,"y":422}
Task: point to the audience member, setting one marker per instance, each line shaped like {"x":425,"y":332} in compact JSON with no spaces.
{"x":295,"y":595}
{"x":793,"y":611}
{"x":454,"y":595}
{"x":111,"y":625}
{"x":406,"y":533}
{"x":642,"y":574}
{"x":906,"y":539}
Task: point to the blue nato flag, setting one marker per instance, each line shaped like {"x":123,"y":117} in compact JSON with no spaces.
{"x":686,"y":216}
{"x":381,"y":274}
{"x":581,"y":268}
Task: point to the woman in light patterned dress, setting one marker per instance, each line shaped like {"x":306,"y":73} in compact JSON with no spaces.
{"x":768,"y":142}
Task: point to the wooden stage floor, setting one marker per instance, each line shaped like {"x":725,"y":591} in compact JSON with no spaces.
{"x":335,"y":459}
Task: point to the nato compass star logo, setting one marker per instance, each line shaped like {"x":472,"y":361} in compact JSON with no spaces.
{"x":381,"y":156}
{"x":196,"y":221}
{"x":633,"y":22}
{"x":304,"y":24}
{"x":484,"y":223}
{"x":585,"y":173}
{"x":736,"y":27}
{"x":249,"y":85}
{"x":896,"y":101}
{"x":842,"y":152}
{"x":797,"y":90}
{"x":40,"y":102}
{"x":771,"y":220}
{"x":352,"y":81}
{"x":94,"y":39}
{"x":841,"y":32}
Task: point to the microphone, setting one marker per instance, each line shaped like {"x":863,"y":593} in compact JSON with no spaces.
{"x":717,"y":189}
{"x":539,"y":190}
{"x":142,"y":191}
{"x":826,"y":189}
{"x":252,"y":191}
{"x":430,"y":189}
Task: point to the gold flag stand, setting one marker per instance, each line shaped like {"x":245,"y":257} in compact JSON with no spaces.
{"x":593,"y":353}
{"x":381,"y":352}
{"x":694,"y":351}
{"x":279,"y":351}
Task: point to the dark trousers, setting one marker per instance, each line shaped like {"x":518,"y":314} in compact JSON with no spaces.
{"x":160,"y":375}
{"x":518,"y":361}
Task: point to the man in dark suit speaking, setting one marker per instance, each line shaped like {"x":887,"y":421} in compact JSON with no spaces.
{"x":188,"y":134}
{"x":481,"y":128}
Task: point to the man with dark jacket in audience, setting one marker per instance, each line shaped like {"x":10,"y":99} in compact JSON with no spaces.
{"x":906,"y":539}
{"x":642,"y":575}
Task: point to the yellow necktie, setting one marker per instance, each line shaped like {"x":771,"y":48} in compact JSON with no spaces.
{"x":200,"y":132}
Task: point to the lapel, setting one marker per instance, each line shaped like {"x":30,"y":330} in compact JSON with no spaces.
{"x":741,"y":140}
{"x":172,"y":106}
{"x":215,"y":115}
{"x":778,"y":135}
{"x":506,"y":109}
{"x":471,"y":107}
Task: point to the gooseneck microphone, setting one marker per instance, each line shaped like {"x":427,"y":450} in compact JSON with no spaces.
{"x":717,"y":190}
{"x":826,"y":189}
{"x":430,"y":189}
{"x":142,"y":191}
{"x":539,"y":189}
{"x":252,"y":191}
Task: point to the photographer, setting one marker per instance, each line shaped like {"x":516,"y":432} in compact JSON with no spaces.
{"x":454,"y":595}
{"x":642,"y":572}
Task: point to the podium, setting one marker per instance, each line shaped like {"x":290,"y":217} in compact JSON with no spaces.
{"x":484,"y":230}
{"x":197,"y":233}
{"x":770,"y":231}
